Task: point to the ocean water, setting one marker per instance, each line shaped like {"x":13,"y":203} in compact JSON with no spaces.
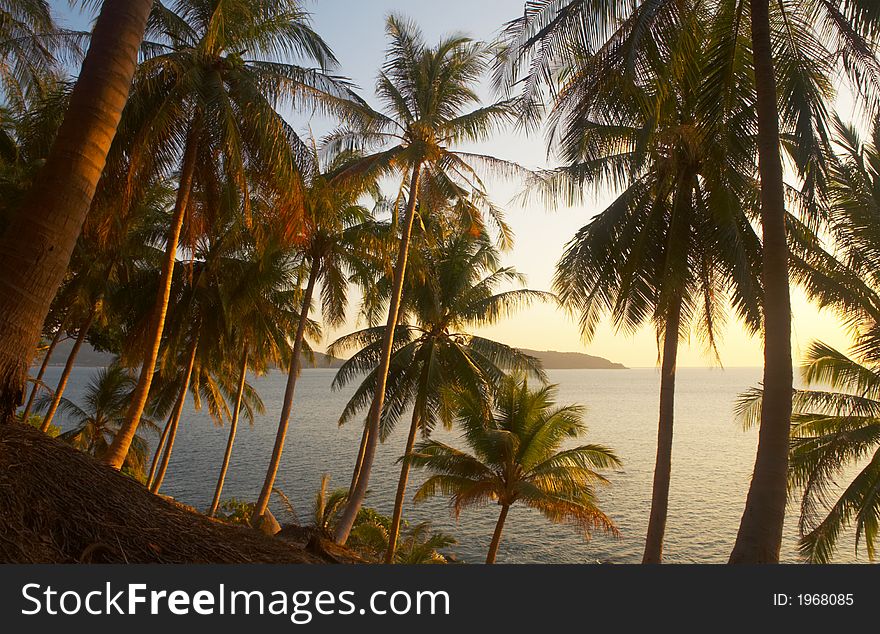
{"x":712,"y":462}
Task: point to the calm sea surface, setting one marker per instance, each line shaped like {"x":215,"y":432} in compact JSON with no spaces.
{"x":712,"y":463}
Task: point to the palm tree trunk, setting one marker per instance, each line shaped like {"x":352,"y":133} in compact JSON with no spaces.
{"x":119,"y":448}
{"x":175,"y":417}
{"x":359,"y":462}
{"x":30,"y":402}
{"x":159,"y":450}
{"x":346,"y":521}
{"x":496,"y":536}
{"x":232,"y":428}
{"x":68,"y":368}
{"x":289,"y":390}
{"x":401,"y":489}
{"x":760,"y":532}
{"x":663,"y":465}
{"x":418,"y":407}
{"x":36,"y":248}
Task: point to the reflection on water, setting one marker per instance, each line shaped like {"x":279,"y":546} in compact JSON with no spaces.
{"x":712,"y":463}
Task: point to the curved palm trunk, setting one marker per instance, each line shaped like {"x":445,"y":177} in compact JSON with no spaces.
{"x":401,"y":489}
{"x":36,"y":248}
{"x":118,"y":450}
{"x":233,"y":426}
{"x":760,"y":531}
{"x":355,"y":500}
{"x":289,"y":390}
{"x":68,"y":368}
{"x":39,"y":378}
{"x":159,"y":450}
{"x":496,"y":536}
{"x":663,"y":466}
{"x":175,"y":417}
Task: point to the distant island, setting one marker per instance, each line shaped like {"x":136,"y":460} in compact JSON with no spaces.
{"x":90,"y":358}
{"x":553,"y":360}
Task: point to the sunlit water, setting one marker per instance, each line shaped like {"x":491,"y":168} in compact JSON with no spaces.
{"x":712,"y":463}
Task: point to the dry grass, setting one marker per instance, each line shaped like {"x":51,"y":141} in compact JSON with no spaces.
{"x":58,"y":505}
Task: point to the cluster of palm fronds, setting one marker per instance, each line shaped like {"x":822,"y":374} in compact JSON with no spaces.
{"x":215,"y":228}
{"x":215,"y":231}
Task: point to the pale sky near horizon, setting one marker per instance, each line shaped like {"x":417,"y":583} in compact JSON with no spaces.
{"x":355,"y":31}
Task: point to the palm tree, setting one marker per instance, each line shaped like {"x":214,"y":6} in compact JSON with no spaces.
{"x":807,"y":39}
{"x":31,"y":49}
{"x":677,"y":246}
{"x":835,"y":434}
{"x":38,"y":380}
{"x":518,"y":459}
{"x":834,"y":429}
{"x":99,"y":416}
{"x":426,"y":92}
{"x":262,"y":302}
{"x":199,"y":101}
{"x":337,"y":243}
{"x":454,"y":288}
{"x":197,"y":338}
{"x":111,"y":248}
{"x":36,"y":247}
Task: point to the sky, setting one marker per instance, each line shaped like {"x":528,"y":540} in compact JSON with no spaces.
{"x":354,"y":29}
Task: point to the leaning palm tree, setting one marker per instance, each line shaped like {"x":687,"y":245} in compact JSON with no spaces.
{"x":197,"y":340}
{"x":199,"y":103}
{"x":262,"y":302}
{"x":427,"y":92}
{"x":453,"y":289}
{"x":99,"y":414}
{"x":518,"y":458}
{"x":338,"y":242}
{"x":36,"y":247}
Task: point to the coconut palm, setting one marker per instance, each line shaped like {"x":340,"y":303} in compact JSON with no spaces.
{"x":96,"y":418}
{"x":262,"y":302}
{"x":32,"y":48}
{"x":834,"y":432}
{"x":518,"y":458}
{"x":676,"y":247}
{"x":834,"y":455}
{"x":197,"y":336}
{"x":36,"y":247}
{"x":200,"y":103}
{"x":799,"y":44}
{"x":338,"y":243}
{"x":46,"y":351}
{"x":453,"y":288}
{"x":112,"y":247}
{"x":430,"y":103}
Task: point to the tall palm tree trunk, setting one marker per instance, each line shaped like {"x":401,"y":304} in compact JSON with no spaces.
{"x":289,"y":390}
{"x":39,"y":378}
{"x":159,"y":450}
{"x":760,"y":532}
{"x":359,"y":461}
{"x":175,"y":417}
{"x":233,"y":426}
{"x":418,"y":407}
{"x":36,"y":247}
{"x":663,"y":465}
{"x":496,"y":536}
{"x":394,"y":532}
{"x":119,"y":448}
{"x":346,"y":521}
{"x":68,"y":368}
